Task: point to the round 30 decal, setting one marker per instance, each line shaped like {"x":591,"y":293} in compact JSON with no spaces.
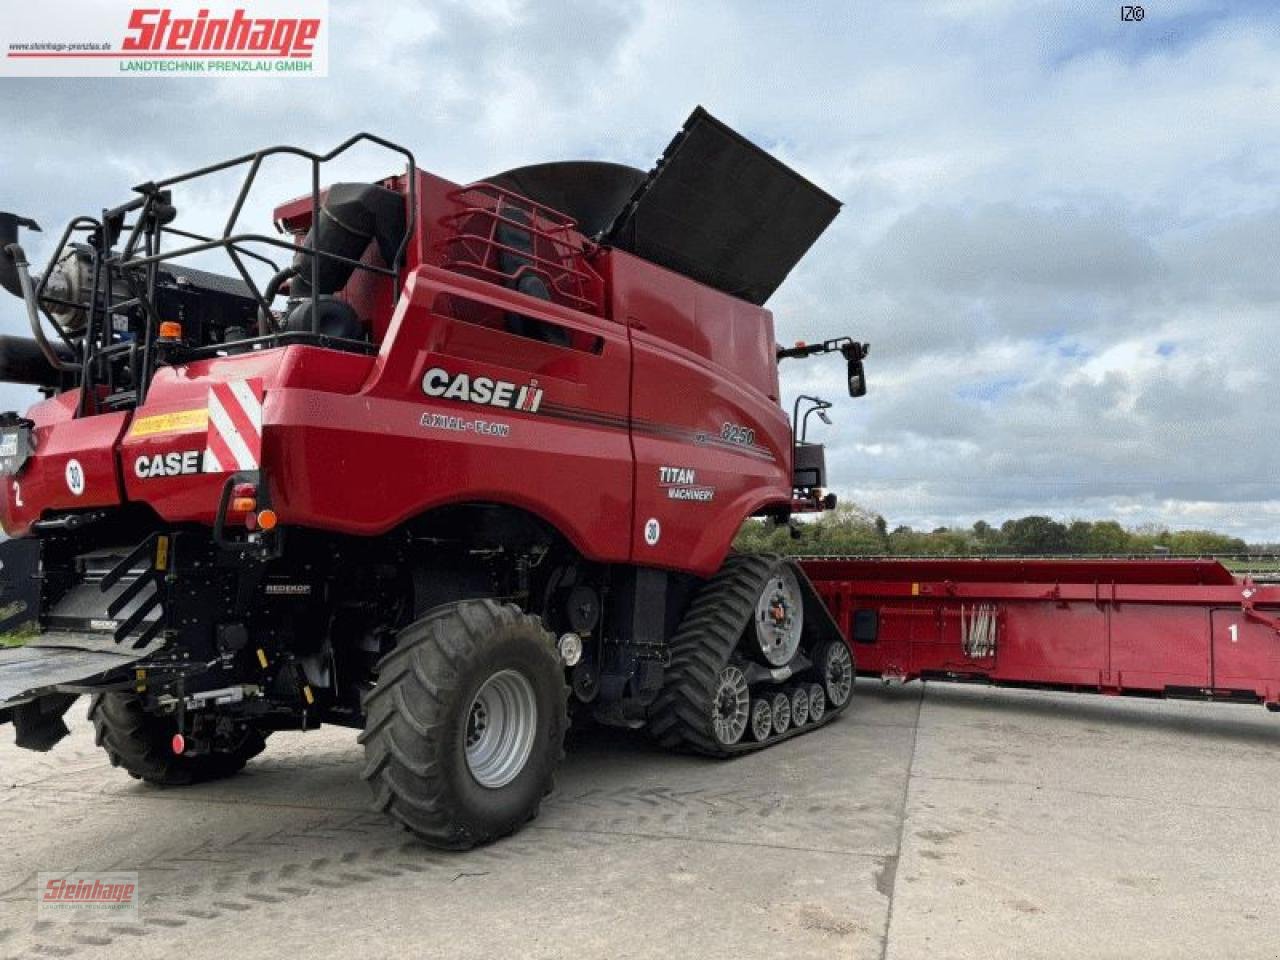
{"x":75,"y":477}
{"x":652,"y":531}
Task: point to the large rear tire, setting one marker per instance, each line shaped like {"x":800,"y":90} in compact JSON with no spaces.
{"x":465,"y":728}
{"x":141,"y":743}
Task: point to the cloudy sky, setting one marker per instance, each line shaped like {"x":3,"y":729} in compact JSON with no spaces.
{"x":1060,"y":230}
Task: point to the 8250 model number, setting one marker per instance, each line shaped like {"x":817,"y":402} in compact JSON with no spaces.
{"x":742,"y":436}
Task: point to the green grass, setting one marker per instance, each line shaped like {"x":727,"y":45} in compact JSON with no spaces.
{"x":1238,"y":565}
{"x":20,"y":635}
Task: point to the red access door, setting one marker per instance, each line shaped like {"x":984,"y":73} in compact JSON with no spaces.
{"x":1246,"y":654}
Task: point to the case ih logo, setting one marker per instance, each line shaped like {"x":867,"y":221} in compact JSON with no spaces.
{"x":438,"y":382}
{"x":175,"y":38}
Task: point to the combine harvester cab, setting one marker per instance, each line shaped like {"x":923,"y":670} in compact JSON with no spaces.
{"x":472,"y":456}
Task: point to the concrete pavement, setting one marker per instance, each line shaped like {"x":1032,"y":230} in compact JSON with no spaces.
{"x":933,"y":821}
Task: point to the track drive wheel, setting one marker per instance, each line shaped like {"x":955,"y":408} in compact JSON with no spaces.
{"x":141,"y":743}
{"x":465,"y":728}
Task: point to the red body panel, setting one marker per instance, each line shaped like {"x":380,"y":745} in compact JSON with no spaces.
{"x":645,"y":426}
{"x":1116,"y":626}
{"x":704,"y":371}
{"x":61,"y":440}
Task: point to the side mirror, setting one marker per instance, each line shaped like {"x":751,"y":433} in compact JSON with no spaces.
{"x":857,"y":378}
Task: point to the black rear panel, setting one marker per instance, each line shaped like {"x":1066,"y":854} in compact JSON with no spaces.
{"x":720,"y":210}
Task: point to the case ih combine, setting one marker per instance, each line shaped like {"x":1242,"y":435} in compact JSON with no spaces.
{"x":472,"y":454}
{"x":474,"y":458}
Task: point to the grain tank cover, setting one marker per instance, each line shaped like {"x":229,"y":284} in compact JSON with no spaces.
{"x":592,"y":193}
{"x":721,"y":211}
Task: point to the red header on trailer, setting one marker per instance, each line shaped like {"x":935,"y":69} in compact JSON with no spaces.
{"x":1151,"y":627}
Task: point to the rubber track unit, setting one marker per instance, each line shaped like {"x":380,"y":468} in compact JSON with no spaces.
{"x":680,"y":717}
{"x":407,"y":716}
{"x":139,"y":743}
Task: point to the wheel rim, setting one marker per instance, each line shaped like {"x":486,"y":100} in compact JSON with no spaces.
{"x":779,"y":618}
{"x":501,"y":725}
{"x":781,"y":713}
{"x":730,"y":706}
{"x":837,"y":674}
{"x":817,"y":702}
{"x":761,"y":720}
{"x":799,"y":707}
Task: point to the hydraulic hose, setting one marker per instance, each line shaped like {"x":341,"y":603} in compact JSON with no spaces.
{"x":20,"y":264}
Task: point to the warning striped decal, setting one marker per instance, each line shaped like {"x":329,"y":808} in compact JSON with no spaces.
{"x":234,"y":441}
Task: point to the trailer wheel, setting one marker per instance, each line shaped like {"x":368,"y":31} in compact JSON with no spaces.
{"x":465,"y":728}
{"x":141,"y":743}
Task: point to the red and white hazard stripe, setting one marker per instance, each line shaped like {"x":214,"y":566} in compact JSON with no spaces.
{"x":234,"y":441}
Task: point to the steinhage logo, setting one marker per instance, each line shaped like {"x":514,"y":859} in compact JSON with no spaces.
{"x":241,"y":34}
{"x":173,"y":38}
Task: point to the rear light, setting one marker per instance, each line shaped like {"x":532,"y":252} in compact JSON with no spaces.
{"x":244,"y":498}
{"x":267,"y":520}
{"x":170,"y":331}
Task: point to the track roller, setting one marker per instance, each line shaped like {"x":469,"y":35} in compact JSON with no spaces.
{"x":730,"y":710}
{"x":817,"y":702}
{"x":781,"y":709}
{"x":799,"y":706}
{"x":835,"y":666}
{"x":761,"y":720}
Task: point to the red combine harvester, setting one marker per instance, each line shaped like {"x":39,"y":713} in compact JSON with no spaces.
{"x":472,"y":453}
{"x":474,"y":458}
{"x":1177,"y":628}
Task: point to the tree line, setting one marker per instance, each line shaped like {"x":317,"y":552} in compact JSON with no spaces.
{"x":850,"y":530}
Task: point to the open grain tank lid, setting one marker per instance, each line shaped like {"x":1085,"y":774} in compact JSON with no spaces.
{"x":721,"y":211}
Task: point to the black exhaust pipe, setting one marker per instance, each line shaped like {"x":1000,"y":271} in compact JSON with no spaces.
{"x":22,"y":361}
{"x":9,"y":224}
{"x":351,"y":215}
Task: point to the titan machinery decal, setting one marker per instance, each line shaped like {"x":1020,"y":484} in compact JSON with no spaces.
{"x":486,"y":391}
{"x":681,"y":483}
